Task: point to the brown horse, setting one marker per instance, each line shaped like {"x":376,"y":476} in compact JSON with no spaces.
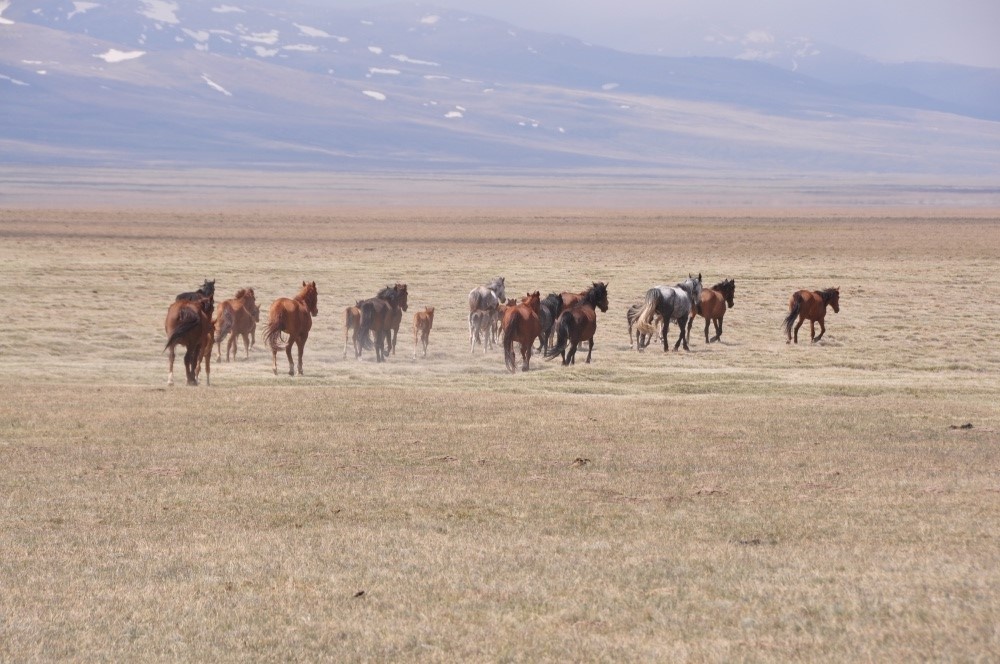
{"x":376,"y":317}
{"x":238,"y":316}
{"x":189,"y":322}
{"x":712,"y":306}
{"x":423,"y":321}
{"x":578,"y":324}
{"x":811,"y":305}
{"x":352,"y":319}
{"x":294,"y":318}
{"x":521,"y":324}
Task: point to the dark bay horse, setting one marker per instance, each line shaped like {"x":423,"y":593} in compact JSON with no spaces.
{"x":294,"y":318}
{"x":712,"y":307}
{"x":238,"y":316}
{"x":578,"y":324}
{"x":485,"y":298}
{"x":671,"y":303}
{"x":395,"y":319}
{"x":189,"y":323}
{"x":549,"y":309}
{"x":423,"y":321}
{"x":520,"y":324}
{"x":811,"y":305}
{"x":376,"y":318}
{"x":207,"y":289}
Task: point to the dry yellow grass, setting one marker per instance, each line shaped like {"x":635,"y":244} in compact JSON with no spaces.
{"x":748,"y":500}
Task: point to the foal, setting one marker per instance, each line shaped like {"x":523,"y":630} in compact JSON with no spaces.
{"x":422,"y":323}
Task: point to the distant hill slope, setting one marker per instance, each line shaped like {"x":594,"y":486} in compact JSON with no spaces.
{"x":410,"y":87}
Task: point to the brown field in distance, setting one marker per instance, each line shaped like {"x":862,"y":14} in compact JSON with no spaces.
{"x":748,"y":500}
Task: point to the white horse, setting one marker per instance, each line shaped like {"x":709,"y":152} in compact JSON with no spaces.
{"x":672,"y":303}
{"x":484,"y":298}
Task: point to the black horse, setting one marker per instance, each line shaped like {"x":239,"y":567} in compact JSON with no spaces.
{"x":549,"y":310}
{"x":207,"y":290}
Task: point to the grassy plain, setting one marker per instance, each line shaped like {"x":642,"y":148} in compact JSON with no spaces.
{"x":748,"y":500}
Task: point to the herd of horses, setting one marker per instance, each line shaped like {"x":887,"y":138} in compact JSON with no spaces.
{"x":559,"y":323}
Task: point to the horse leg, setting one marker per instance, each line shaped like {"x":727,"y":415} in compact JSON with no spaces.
{"x":288,"y":354}
{"x":246,"y":346}
{"x":170,"y":367}
{"x":301,"y":343}
{"x":682,"y":339}
{"x":718,"y":330}
{"x":208,"y":368}
{"x":822,"y":330}
{"x":526,"y":355}
{"x":666,"y":324}
{"x":191,"y":364}
{"x":812,"y":331}
{"x":590,"y":349}
{"x":802,"y":319}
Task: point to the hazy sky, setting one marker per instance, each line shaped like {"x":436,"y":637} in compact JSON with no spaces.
{"x":961,"y":31}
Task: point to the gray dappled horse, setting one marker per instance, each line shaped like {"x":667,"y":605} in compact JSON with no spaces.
{"x":672,"y":303}
{"x":484,"y":298}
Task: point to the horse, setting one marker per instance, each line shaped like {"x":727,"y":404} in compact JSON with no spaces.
{"x":395,"y":319}
{"x":578,"y":324}
{"x":352,"y":319}
{"x":238,"y":316}
{"x":422,"y":323}
{"x":520,"y":324}
{"x":294,"y":318}
{"x":712,"y":306}
{"x":485,"y":298}
{"x":549,"y":309}
{"x":671,"y":302}
{"x":632,"y":315}
{"x":482,"y":328}
{"x":189,"y":322}
{"x":812,"y":305}
{"x":207,"y":289}
{"x":376,"y":315}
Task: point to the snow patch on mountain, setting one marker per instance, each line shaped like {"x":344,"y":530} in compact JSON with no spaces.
{"x":215,"y":86}
{"x":113,"y":55}
{"x":4,"y":5}
{"x":227,"y":9}
{"x":161,"y":10}
{"x":81,"y":8}
{"x":374,"y":95}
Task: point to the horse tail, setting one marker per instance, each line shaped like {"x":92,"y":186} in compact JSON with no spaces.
{"x":509,"y":330}
{"x":187,"y":320}
{"x":644,"y":321}
{"x":796,"y":305}
{"x":272,"y":332}
{"x":564,"y":328}
{"x":365,"y":326}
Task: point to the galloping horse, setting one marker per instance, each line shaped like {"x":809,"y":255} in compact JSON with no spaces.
{"x":294,"y":318}
{"x":520,"y":324}
{"x":671,"y":302}
{"x":352,"y":319}
{"x":485,"y":298}
{"x":422,"y":323}
{"x":812,"y":305}
{"x":207,"y":289}
{"x":549,"y":310}
{"x":238,"y":316}
{"x":578,"y":324}
{"x":395,"y":319}
{"x":189,"y":322}
{"x":712,"y":307}
{"x":376,"y":316}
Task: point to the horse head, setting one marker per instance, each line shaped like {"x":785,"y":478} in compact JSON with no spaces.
{"x":309,"y":297}
{"x":831,"y":296}
{"x":533,"y":300}
{"x":401,"y":296}
{"x":729,"y":291}
{"x":208,"y":288}
{"x":598,"y":295}
{"x":498,"y":287}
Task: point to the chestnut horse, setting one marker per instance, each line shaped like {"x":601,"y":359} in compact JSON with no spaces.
{"x":352,"y":319}
{"x":189,"y":322}
{"x":423,"y":321}
{"x":578,"y":324}
{"x":812,"y":305}
{"x":238,"y":316}
{"x":521,"y":324}
{"x":294,"y":318}
{"x":712,"y":307}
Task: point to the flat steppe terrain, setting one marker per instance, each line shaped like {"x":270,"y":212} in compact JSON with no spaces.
{"x":747,"y":500}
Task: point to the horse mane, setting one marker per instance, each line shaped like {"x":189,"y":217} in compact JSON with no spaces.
{"x":721,"y":286}
{"x":240,"y":294}
{"x":828,"y":293}
{"x":594,"y":294}
{"x":389,"y":294}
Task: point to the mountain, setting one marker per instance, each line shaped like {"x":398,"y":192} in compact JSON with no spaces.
{"x":232,"y":83}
